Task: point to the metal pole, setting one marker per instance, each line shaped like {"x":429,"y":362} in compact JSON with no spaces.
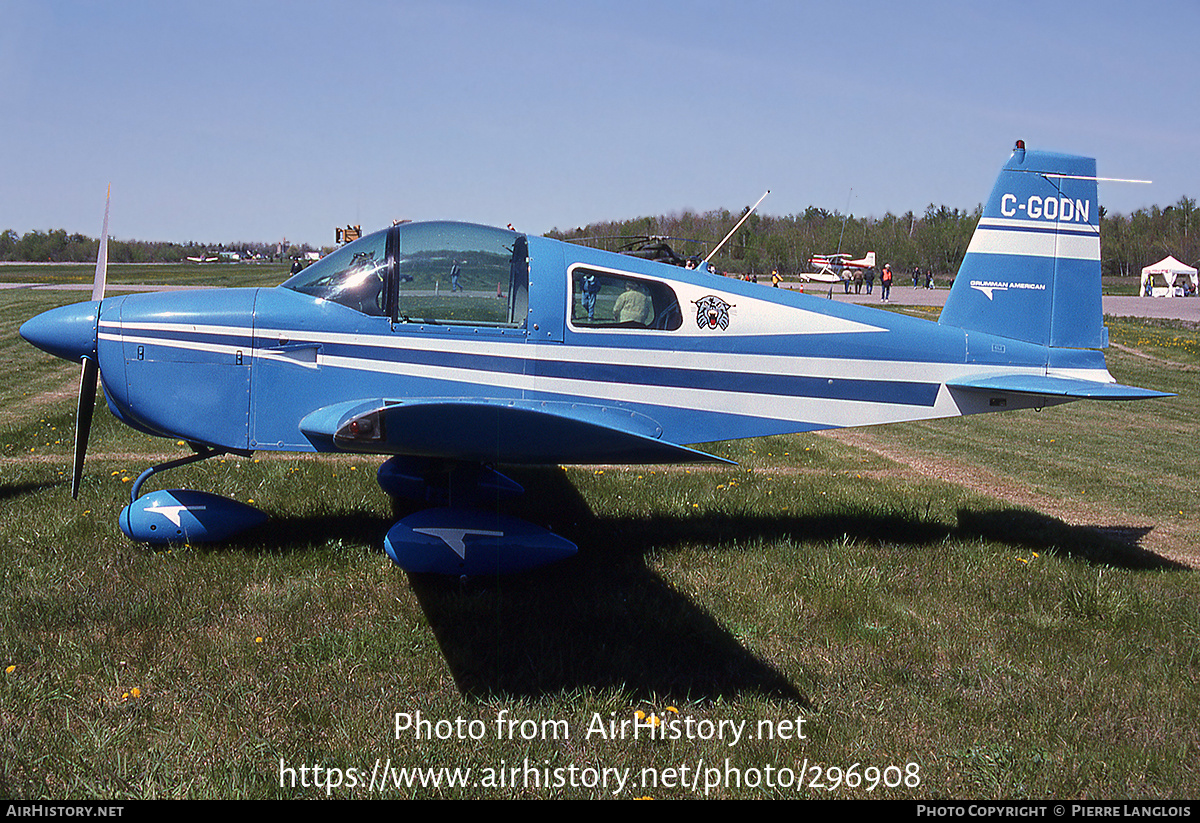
{"x":735,"y":228}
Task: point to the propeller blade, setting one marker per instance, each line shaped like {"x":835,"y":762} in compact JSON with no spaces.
{"x":102,"y":255}
{"x":91,"y":369}
{"x":83,"y":419}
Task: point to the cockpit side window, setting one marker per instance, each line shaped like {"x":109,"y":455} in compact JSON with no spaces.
{"x":458,"y":273}
{"x":355,"y":275}
{"x":604,"y":299}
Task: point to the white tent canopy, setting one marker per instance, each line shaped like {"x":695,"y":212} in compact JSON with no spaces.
{"x":1171,"y":271}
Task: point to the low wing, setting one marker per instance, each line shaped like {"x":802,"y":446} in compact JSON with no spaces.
{"x":490,"y":430}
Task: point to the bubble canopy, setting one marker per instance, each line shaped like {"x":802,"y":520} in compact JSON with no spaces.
{"x":443,"y":272}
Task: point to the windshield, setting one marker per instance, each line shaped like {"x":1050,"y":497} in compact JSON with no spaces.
{"x":355,"y":275}
{"x":444,"y":274}
{"x":459,"y":273}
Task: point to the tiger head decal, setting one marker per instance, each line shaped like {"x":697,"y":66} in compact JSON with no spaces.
{"x":711,"y":312}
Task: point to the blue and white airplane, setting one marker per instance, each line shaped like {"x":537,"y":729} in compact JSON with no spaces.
{"x":453,"y":347}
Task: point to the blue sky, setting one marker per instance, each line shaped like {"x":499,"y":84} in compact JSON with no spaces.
{"x":226,"y":121}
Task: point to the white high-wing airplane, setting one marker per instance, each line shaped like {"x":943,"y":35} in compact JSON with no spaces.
{"x":834,"y":268}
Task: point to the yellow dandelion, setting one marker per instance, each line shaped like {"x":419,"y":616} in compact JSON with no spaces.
{"x":10,"y":669}
{"x":135,"y":691}
{"x":258,"y":640}
{"x":639,"y":714}
{"x":672,"y":709}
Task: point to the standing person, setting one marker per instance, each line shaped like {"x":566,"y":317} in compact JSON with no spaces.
{"x":870,"y":278}
{"x":591,"y":288}
{"x":885,"y":282}
{"x":775,"y":278}
{"x":455,"y":271}
{"x":916,"y":276}
{"x":634,"y":306}
{"x":929,"y":278}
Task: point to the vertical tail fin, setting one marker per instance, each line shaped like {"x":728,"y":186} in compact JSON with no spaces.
{"x":1032,"y":271}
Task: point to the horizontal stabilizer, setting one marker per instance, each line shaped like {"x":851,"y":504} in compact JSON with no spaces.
{"x":489,"y":430}
{"x":1045,"y":385}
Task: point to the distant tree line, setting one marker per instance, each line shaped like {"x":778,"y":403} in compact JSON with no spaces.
{"x":936,"y":240}
{"x":57,"y":246}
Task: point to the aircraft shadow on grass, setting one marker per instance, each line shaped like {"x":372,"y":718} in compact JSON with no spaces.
{"x":8,"y":491}
{"x":605,"y":619}
{"x":1110,"y":545}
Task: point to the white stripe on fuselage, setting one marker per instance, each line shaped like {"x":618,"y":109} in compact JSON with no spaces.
{"x":816,"y":411}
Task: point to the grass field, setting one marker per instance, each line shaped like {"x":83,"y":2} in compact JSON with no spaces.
{"x":997,"y":607}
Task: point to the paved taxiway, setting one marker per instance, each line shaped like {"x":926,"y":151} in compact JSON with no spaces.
{"x":1165,"y":308}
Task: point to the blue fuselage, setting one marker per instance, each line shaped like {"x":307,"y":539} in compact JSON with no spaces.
{"x":240,"y":368}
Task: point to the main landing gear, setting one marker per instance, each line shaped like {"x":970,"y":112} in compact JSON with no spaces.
{"x":462,"y":535}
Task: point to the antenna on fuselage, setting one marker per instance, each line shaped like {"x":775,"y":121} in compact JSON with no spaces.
{"x":735,"y":228}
